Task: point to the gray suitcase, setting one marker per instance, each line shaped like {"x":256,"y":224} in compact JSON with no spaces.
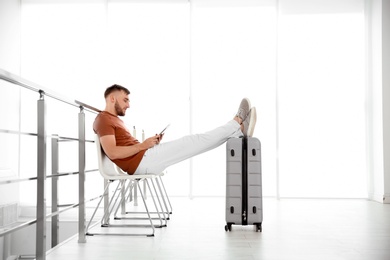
{"x":243,"y":183}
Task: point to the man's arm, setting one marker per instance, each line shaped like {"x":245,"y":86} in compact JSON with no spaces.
{"x":113,"y":151}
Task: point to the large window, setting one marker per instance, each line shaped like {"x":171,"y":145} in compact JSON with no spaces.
{"x":233,"y":51}
{"x":148,"y":51}
{"x":189,"y":63}
{"x":321,"y":99}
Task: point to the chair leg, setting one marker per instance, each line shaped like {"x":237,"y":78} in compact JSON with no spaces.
{"x":110,"y":209}
{"x":164,"y":209}
{"x":117,"y":205}
{"x":123,"y":195}
{"x":163,"y":192}
{"x":159,"y":202}
{"x":123,"y":198}
{"x":146,"y":206}
{"x":135,"y":197}
{"x":166,"y":195}
{"x":130,"y":196}
{"x":97,"y":207}
{"x":145,"y":191}
{"x":146,"y":184}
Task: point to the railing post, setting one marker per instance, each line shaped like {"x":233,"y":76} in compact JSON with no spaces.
{"x":6,"y":246}
{"x":54,"y":191}
{"x":82,"y":237}
{"x":41,"y":180}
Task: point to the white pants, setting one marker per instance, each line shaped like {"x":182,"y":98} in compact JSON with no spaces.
{"x":161,"y":156}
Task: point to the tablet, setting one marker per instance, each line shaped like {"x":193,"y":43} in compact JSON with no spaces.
{"x":164,"y":129}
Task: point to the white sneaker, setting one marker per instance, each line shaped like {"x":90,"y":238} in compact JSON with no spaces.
{"x":244,"y":108}
{"x":250,"y":122}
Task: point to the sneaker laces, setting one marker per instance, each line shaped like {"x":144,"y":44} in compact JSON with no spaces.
{"x":239,"y":114}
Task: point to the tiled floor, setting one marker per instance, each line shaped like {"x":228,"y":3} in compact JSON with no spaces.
{"x":292,"y":229}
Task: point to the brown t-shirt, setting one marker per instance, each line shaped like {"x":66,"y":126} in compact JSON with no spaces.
{"x":108,"y":124}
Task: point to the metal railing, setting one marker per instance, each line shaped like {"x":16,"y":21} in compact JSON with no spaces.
{"x":41,"y":214}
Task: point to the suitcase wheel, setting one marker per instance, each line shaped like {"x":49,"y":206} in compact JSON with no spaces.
{"x":258,"y":227}
{"x":228,"y":227}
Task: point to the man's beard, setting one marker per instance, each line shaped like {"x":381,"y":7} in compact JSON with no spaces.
{"x":119,"y":111}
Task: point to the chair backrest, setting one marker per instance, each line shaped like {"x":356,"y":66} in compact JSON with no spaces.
{"x":106,"y":167}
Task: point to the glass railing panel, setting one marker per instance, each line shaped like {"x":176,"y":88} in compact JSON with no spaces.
{"x":10,"y":106}
{"x":9,"y":156}
{"x":28,"y":110}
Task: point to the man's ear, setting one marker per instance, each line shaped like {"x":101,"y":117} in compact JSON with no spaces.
{"x":112,"y":98}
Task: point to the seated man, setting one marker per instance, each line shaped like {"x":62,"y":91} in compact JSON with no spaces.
{"x":150,"y":156}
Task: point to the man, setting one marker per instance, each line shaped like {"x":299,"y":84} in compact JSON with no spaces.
{"x":151,"y":156}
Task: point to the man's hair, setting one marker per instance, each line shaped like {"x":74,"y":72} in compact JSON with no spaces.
{"x":114,"y":88}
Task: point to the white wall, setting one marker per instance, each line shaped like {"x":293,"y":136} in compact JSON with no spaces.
{"x":321,"y":99}
{"x":10,"y":31}
{"x":378,"y":99}
{"x":386,"y":96}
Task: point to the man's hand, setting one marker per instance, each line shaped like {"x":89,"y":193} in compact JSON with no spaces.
{"x":151,"y":141}
{"x":160,"y":136}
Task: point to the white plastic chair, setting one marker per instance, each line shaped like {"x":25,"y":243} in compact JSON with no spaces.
{"x":111,"y":172}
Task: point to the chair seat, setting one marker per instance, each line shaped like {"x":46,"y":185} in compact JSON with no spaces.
{"x":131,"y":177}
